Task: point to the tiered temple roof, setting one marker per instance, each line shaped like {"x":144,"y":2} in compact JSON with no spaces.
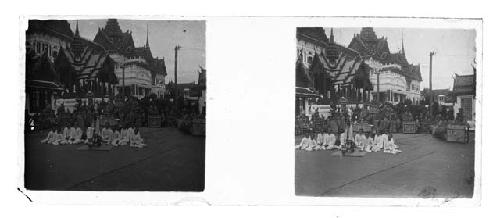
{"x":114,"y":40}
{"x":315,"y":34}
{"x":56,"y":28}
{"x":370,"y":46}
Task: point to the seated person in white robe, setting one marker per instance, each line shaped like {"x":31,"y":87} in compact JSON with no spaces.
{"x":357,"y":140}
{"x":362,"y":142}
{"x":50,"y":137}
{"x":326,"y":139}
{"x":136,"y":139}
{"x":66,"y":135}
{"x":306,"y":143}
{"x":331,"y":142}
{"x":124,"y":137}
{"x":302,"y":143}
{"x":391,"y":147}
{"x":350,"y":134}
{"x":116,"y":138}
{"x":384,"y":141}
{"x":377,"y":143}
{"x":78,"y":135}
{"x":369,"y":143}
{"x":343,"y":139}
{"x":312,"y":145}
{"x":58,"y":138}
{"x":72,"y":135}
{"x":324,"y":143}
{"x":89,"y":134}
{"x":106,"y":134}
{"x":319,"y":138}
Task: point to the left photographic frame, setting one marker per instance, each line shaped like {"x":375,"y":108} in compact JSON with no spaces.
{"x":114,"y":105}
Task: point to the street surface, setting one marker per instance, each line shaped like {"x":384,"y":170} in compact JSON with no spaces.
{"x":172,"y":161}
{"x":427,"y":167}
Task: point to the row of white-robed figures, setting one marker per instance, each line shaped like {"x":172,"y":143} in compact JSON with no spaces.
{"x":74,"y":135}
{"x":373,"y":142}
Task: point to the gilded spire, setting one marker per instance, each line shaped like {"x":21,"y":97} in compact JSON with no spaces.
{"x":77,"y":32}
{"x":147,"y":35}
{"x":331,"y":36}
{"x":402,"y":43}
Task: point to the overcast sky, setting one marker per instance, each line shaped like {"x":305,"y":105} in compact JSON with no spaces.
{"x":455,"y":50}
{"x":164,"y":35}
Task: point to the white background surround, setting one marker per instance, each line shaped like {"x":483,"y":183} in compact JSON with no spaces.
{"x":250,"y":63}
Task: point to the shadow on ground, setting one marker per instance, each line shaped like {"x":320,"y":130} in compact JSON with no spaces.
{"x":427,"y":168}
{"x":172,"y":161}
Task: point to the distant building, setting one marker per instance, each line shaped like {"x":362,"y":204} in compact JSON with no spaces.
{"x":398,"y":79}
{"x":464,"y":89}
{"x":192,"y":94}
{"x":440,"y":96}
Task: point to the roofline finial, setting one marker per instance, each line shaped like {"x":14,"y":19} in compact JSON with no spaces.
{"x":77,"y":31}
{"x":147,"y":35}
{"x":402,"y":42}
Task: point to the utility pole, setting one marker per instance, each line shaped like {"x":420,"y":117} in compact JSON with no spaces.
{"x":431,"y":100}
{"x":176,"y":49}
{"x":123,"y":80}
{"x":378,"y":86}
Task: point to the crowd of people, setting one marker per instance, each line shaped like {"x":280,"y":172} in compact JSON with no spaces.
{"x":367,"y":142}
{"x":385,"y":118}
{"x":368,"y":128}
{"x":119,"y":111}
{"x":94,"y":136}
{"x":113,"y":122}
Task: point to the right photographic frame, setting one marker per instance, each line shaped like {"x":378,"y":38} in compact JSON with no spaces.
{"x":386,"y":112}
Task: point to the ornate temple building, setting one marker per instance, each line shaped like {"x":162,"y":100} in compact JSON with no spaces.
{"x":138,"y":72}
{"x":61,"y":64}
{"x":326,"y":72}
{"x":391,"y":74}
{"x":48,"y":36}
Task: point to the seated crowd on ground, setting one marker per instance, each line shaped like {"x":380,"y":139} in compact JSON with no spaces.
{"x":368,"y":142}
{"x":337,"y":131}
{"x":95,"y":136}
